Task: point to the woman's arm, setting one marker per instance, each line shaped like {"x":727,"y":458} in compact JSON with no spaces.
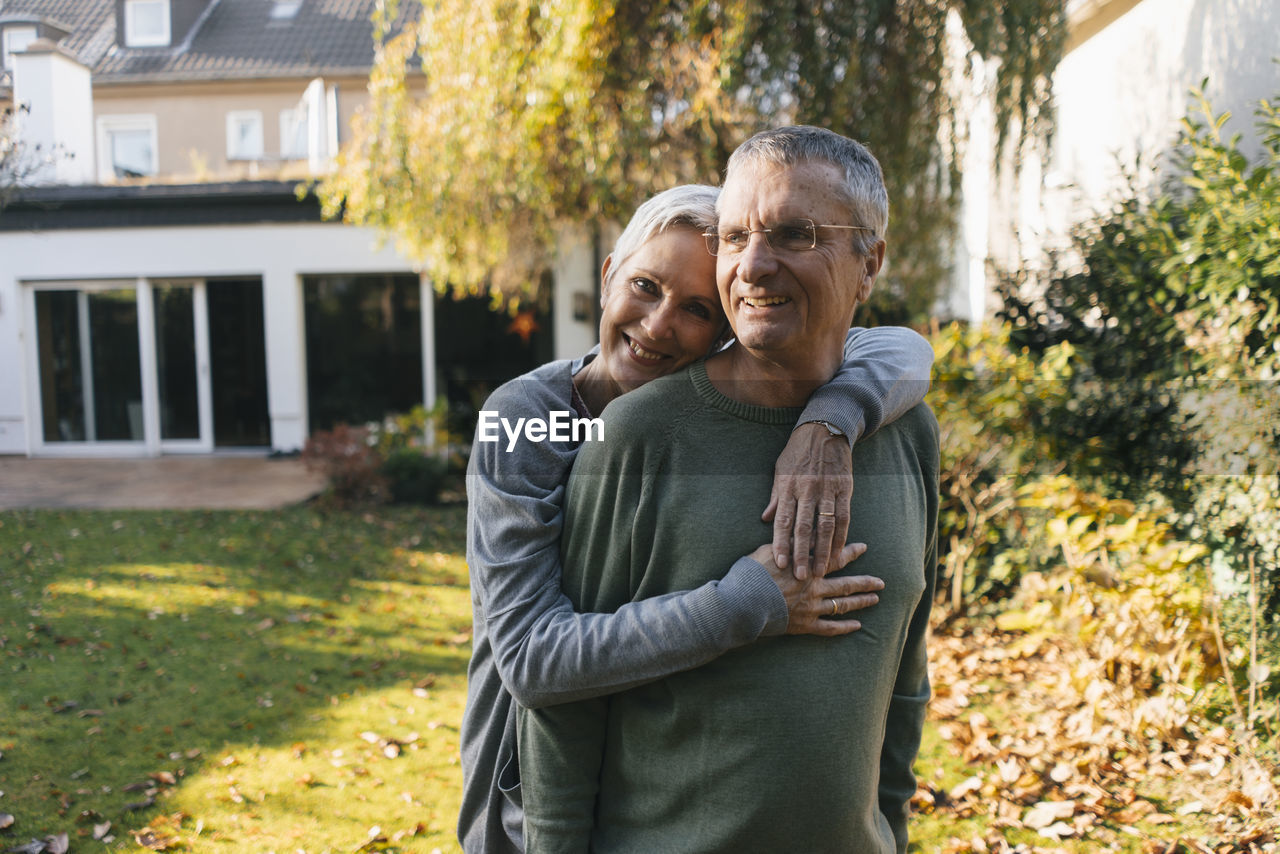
{"x":545,"y":652}
{"x":885,"y":373}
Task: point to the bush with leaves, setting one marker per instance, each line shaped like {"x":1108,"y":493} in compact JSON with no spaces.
{"x":350,"y":463}
{"x":1174,"y":318}
{"x":986,"y":394}
{"x":389,"y":460}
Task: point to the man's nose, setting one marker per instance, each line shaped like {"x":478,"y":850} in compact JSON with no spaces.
{"x":757,"y":259}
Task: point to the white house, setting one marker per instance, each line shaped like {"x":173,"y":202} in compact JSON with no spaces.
{"x":162,"y":287}
{"x":1120,"y":93}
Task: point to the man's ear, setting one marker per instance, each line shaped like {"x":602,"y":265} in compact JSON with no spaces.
{"x":604,"y":277}
{"x":872,"y":263}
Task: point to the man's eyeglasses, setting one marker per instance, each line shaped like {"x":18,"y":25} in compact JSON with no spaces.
{"x":798,"y":235}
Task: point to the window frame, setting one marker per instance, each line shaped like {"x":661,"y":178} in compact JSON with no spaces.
{"x":295,"y":124}
{"x":234,"y":117}
{"x":106,"y":125}
{"x":6,"y":42}
{"x":134,"y":38}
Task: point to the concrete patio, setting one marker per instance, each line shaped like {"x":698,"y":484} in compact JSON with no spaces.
{"x":214,"y":482}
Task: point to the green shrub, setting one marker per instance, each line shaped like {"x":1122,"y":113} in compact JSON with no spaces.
{"x":1174,"y":322}
{"x":414,"y":477}
{"x":352,"y":466}
{"x":986,"y":394}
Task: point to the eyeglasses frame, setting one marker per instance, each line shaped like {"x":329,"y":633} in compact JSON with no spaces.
{"x":709,"y":235}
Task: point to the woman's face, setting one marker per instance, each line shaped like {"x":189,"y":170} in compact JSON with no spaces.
{"x":661,"y":310}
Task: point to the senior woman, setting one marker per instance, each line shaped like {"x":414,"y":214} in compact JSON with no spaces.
{"x":660,"y":312}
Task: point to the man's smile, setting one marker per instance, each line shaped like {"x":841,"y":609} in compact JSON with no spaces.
{"x":763,"y":302}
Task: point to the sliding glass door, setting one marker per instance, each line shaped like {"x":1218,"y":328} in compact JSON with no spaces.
{"x":182,"y":366}
{"x":90,"y":370}
{"x":122,"y":367}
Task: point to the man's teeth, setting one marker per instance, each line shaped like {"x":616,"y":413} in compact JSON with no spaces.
{"x":643,"y":353}
{"x":758,"y":302}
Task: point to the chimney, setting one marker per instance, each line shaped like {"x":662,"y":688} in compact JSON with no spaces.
{"x":57,"y":128}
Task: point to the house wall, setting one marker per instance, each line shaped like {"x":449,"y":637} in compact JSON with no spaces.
{"x":1122,"y":92}
{"x":576,"y":279}
{"x":59,"y":139}
{"x":191,"y":120}
{"x":280,"y":254}
{"x":1119,"y":94}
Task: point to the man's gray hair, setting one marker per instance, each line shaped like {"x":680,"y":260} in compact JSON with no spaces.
{"x":864,"y":180}
{"x":692,"y":205}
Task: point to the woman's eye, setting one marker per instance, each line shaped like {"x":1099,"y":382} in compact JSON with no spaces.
{"x":645,"y":285}
{"x":697,"y":309}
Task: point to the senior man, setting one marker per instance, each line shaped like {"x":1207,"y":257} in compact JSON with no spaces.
{"x":789,"y":744}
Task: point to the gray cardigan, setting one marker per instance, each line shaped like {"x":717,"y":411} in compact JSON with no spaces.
{"x":530,"y":645}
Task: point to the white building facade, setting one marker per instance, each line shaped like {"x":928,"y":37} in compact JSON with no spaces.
{"x":1119,"y":95}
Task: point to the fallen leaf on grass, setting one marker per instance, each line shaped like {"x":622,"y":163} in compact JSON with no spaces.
{"x":1057,"y":830}
{"x":156,"y":840}
{"x":1046,"y":813}
{"x":1238,"y":799}
{"x":56,"y":844}
{"x":375,"y":842}
{"x":973,"y":784}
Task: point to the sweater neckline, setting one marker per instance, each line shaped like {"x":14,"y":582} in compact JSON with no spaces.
{"x":746,"y":411}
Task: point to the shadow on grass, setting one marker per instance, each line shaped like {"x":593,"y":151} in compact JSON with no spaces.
{"x":137,"y":644}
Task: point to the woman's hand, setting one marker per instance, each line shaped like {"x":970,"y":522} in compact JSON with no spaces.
{"x":813,"y":479}
{"x":815,"y":604}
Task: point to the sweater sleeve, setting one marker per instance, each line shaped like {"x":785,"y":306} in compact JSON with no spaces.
{"x":885,"y":373}
{"x":545,"y":652}
{"x":911,"y":690}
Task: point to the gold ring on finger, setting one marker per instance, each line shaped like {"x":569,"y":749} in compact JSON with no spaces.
{"x":826,"y":512}
{"x":835,"y":608}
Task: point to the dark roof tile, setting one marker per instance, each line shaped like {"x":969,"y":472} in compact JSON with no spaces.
{"x":235,"y":39}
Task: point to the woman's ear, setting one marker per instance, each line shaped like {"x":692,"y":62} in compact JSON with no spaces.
{"x":604,"y":278}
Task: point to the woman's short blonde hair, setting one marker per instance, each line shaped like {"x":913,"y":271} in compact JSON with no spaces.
{"x":692,"y":205}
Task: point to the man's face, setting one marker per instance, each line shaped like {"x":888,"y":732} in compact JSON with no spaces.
{"x":786,"y":304}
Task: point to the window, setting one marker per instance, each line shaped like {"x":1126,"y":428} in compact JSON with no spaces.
{"x":16,"y":40}
{"x":285,"y":10}
{"x":244,"y":135}
{"x":146,"y":23}
{"x":126,"y":147}
{"x":294,"y":134}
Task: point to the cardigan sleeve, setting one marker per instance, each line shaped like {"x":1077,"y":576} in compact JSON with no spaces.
{"x":885,"y":373}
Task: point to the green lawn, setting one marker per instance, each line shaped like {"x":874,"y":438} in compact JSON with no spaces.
{"x":293,"y":681}
{"x":284,"y":681}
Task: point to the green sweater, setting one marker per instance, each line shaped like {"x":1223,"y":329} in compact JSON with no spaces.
{"x":795,"y":743}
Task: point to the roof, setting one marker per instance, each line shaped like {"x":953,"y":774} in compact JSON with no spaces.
{"x":230,"y":39}
{"x":91,"y":23}
{"x":132,"y":206}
